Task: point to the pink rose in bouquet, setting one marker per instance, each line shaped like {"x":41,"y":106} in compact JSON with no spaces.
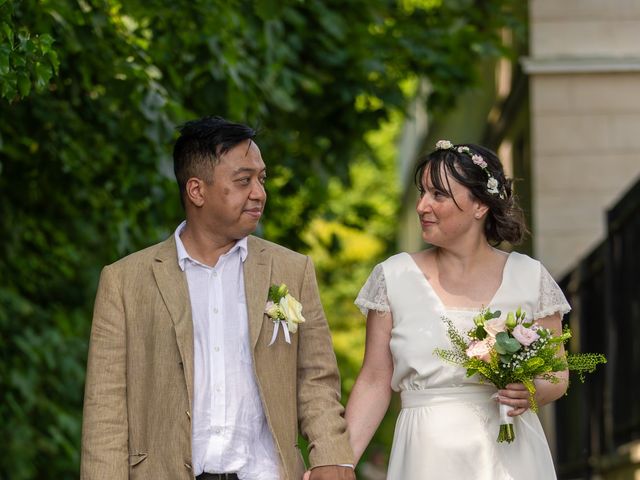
{"x":494,"y":326}
{"x":480,"y":349}
{"x":526,"y":336}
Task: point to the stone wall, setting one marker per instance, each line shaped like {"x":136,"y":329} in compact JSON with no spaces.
{"x":584,"y":72}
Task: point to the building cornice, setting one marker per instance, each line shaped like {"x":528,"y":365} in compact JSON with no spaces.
{"x":559,"y":65}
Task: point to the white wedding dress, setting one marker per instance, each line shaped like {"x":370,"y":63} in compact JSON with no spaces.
{"x":448,"y":425}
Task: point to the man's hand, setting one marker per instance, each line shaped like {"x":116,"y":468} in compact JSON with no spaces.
{"x":330,"y":472}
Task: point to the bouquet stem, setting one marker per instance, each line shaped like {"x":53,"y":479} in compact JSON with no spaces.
{"x":506,"y":433}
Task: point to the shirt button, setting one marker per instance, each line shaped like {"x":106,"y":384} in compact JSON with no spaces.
{"x":215,"y":310}
{"x":218,"y":431}
{"x":218,"y":389}
{"x":215,"y":274}
{"x":216,"y":349}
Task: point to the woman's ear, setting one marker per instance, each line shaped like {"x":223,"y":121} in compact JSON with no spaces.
{"x":481,"y":210}
{"x":194,"y":191}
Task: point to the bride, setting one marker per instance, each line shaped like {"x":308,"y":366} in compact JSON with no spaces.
{"x":448,"y":423}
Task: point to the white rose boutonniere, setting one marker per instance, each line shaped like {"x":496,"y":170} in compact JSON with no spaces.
{"x":284,"y":310}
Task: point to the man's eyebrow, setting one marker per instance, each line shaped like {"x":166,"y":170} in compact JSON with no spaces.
{"x":248,"y":170}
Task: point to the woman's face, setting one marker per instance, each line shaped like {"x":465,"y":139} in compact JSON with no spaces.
{"x":442,"y":221}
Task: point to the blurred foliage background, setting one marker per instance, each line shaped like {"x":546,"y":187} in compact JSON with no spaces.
{"x":90,"y":94}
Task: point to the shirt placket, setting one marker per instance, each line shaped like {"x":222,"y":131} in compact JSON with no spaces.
{"x":217,"y":363}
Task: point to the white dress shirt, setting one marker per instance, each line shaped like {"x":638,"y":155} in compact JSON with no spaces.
{"x":230,"y":433}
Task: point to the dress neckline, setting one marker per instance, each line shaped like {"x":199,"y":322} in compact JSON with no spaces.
{"x":464,"y":309}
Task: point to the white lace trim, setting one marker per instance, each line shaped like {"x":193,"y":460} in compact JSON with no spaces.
{"x":552,"y":299}
{"x":373,"y":294}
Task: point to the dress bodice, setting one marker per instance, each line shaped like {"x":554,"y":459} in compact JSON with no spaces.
{"x":418,"y":315}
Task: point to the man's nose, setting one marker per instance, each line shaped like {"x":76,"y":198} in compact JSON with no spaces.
{"x":258,"y":191}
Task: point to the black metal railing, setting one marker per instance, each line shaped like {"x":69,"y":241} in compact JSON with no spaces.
{"x":599,"y":416}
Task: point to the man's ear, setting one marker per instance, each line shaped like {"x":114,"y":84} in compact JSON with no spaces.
{"x":194,"y":191}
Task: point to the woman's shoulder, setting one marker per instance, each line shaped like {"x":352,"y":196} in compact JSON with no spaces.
{"x":523,"y":260}
{"x":413,"y":257}
{"x":522,"y":273}
{"x":395,"y":259}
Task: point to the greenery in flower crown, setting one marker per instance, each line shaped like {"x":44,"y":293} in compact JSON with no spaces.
{"x":514,"y":350}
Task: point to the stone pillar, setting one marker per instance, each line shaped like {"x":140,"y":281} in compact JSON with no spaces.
{"x":584,"y":70}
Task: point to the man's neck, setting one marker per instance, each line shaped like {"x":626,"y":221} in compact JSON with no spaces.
{"x":203,"y":246}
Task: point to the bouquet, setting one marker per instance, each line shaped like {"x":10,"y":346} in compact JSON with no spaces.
{"x":512,"y":349}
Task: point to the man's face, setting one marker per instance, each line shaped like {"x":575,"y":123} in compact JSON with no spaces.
{"x":234,"y":202}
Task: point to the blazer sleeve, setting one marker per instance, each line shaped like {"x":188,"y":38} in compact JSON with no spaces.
{"x":319,"y":409}
{"x":104,"y":426}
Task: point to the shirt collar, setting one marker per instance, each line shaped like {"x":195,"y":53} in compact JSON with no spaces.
{"x":240,"y":246}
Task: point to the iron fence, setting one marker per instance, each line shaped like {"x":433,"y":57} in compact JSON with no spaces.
{"x":603,"y":414}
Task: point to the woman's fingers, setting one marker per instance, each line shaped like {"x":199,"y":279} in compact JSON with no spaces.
{"x":515,"y":395}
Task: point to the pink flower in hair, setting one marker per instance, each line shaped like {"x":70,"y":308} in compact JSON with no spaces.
{"x":478,"y":160}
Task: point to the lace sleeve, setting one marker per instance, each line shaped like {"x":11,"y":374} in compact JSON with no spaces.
{"x":373,"y":294}
{"x":551,"y":299}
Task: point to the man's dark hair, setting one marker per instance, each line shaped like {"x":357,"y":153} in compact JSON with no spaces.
{"x":201,"y":144}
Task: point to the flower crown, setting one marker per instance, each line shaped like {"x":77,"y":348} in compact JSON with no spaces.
{"x":492,"y":183}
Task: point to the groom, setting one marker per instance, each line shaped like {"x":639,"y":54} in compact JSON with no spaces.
{"x":187,"y":377}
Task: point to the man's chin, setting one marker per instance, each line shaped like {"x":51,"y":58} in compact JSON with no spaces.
{"x":247,"y":229}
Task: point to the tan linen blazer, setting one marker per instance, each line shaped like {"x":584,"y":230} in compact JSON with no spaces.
{"x":139,"y":385}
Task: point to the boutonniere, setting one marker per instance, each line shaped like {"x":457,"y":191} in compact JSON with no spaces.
{"x":284,"y":310}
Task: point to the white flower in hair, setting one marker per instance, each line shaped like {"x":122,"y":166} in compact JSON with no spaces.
{"x":443,"y":145}
{"x":492,"y":186}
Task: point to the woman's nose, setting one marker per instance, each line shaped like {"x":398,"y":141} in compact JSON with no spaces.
{"x":424,"y":204}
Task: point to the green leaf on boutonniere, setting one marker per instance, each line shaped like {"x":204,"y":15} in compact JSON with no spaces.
{"x":276,"y":292}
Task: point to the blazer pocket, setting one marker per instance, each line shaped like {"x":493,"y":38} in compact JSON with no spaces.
{"x":136,"y":458}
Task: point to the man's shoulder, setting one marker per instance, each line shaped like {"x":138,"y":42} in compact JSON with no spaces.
{"x":275,"y":249}
{"x":147,"y":255}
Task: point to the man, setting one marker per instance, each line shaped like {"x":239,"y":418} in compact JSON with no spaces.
{"x":187,"y":376}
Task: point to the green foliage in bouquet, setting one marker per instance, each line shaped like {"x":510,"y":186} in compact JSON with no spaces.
{"x":501,"y":357}
{"x":514,"y":350}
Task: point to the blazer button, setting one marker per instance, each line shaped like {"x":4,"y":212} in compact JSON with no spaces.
{"x":187,"y":465}
{"x":188,"y":414}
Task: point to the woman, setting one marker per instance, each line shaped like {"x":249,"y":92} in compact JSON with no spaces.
{"x":448,"y":424}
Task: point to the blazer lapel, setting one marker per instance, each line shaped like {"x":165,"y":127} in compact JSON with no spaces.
{"x":173,"y":287}
{"x":257,"y":272}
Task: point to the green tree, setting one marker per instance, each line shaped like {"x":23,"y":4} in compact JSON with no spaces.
{"x":26,"y":60}
{"x":90,"y":93}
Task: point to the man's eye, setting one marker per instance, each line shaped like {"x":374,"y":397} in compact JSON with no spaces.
{"x":263,"y":180}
